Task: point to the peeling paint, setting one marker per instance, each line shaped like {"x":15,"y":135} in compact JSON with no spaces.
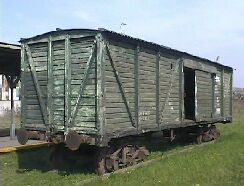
{"x":217,"y":110}
{"x":217,"y":79}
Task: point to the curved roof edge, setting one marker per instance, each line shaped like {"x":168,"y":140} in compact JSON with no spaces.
{"x":9,"y":45}
{"x":56,"y":32}
{"x":102,"y":30}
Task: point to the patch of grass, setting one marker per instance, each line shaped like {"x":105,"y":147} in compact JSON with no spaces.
{"x":220,"y":163}
{"x":32,"y":167}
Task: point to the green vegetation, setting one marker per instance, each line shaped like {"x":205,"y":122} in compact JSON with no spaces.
{"x":6,"y":120}
{"x":219,"y":163}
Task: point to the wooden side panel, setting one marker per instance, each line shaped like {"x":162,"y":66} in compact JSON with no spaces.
{"x":33,"y":113}
{"x":147,"y":88}
{"x":203,"y":95}
{"x":80,"y":51}
{"x":217,"y":94}
{"x":169,"y":88}
{"x":227,"y":92}
{"x":125,"y":56}
{"x":117,"y":116}
{"x":140,"y":87}
{"x":67,"y":60}
{"x":58,"y":92}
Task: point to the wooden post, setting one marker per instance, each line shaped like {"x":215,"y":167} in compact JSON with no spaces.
{"x":12,"y":126}
{"x":222,"y":92}
{"x":136,"y":72}
{"x":231,"y":93}
{"x":181,"y":92}
{"x":67,"y":81}
{"x":158,"y":89}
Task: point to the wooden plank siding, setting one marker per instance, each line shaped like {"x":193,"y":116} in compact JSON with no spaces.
{"x":147,"y":88}
{"x":218,"y":93}
{"x":58,"y":91}
{"x":117,"y":116}
{"x":203,"y":95}
{"x":227,"y":91}
{"x":169,"y":89}
{"x":109,"y":85}
{"x":33,"y":113}
{"x":54,"y":82}
{"x":80,"y":51}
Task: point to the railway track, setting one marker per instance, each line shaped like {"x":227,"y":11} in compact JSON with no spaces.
{"x":186,"y":148}
{"x":125,"y":152}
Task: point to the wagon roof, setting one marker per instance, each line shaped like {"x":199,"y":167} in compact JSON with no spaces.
{"x":9,"y":59}
{"x":122,"y":36}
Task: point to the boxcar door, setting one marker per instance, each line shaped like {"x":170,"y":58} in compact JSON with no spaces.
{"x":189,"y":93}
{"x":203,"y":95}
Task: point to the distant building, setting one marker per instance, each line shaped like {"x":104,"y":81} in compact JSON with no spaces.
{"x":5,"y":90}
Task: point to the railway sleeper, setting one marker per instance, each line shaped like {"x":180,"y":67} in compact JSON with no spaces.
{"x":207,"y":133}
{"x":109,"y":161}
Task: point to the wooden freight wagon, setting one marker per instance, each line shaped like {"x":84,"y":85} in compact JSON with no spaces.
{"x":83,"y":86}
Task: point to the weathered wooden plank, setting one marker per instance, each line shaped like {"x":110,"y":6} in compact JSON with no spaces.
{"x":171,"y":82}
{"x":59,"y":38}
{"x":149,"y":54}
{"x":85,"y":119}
{"x":167,"y":61}
{"x":118,"y":120}
{"x":33,"y":107}
{"x":122,"y":47}
{"x":32,"y":101}
{"x":231,"y":92}
{"x":23,"y":80}
{"x":123,"y":126}
{"x":83,"y":84}
{"x":125,"y":63}
{"x":40,"y":56}
{"x":41,"y":101}
{"x":67,"y":82}
{"x":115,"y":110}
{"x":33,"y":112}
{"x":32,"y":121}
{"x":82,"y":44}
{"x":117,"y":76}
{"x":199,"y":66}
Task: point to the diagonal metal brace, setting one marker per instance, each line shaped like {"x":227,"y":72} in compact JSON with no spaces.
{"x":120,"y":85}
{"x":83,"y":85}
{"x":38,"y":89}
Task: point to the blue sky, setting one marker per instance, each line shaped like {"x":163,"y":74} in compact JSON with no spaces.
{"x":207,"y":28}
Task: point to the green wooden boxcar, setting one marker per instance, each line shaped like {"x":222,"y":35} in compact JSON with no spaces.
{"x":103,"y":85}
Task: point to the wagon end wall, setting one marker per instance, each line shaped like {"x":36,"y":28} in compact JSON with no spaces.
{"x":59,"y":83}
